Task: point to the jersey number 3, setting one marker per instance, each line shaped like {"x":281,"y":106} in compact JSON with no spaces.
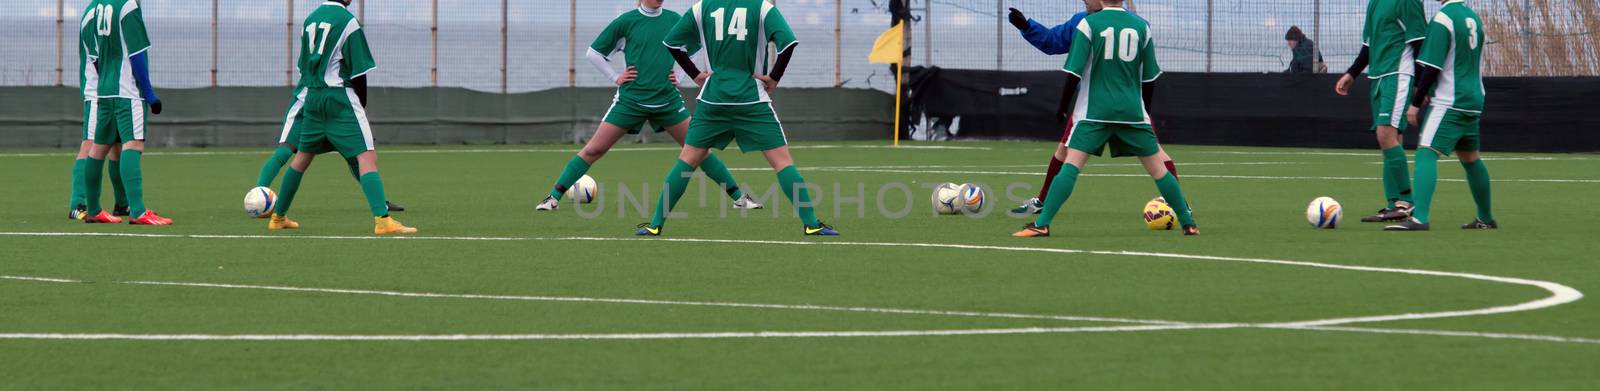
{"x":1127,"y":48}
{"x":736,"y":27}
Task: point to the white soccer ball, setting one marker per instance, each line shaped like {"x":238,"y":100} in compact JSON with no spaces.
{"x":584,"y":190}
{"x":259,"y":202}
{"x":945,"y":199}
{"x":972,"y":198}
{"x":1324,"y":212}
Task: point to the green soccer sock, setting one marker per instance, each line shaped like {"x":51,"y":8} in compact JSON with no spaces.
{"x":1478,"y":181}
{"x":78,"y":166}
{"x":291,"y":185}
{"x":1427,"y":183}
{"x":1168,"y":185}
{"x":677,"y":180}
{"x":93,"y":171}
{"x":718,"y":172}
{"x":269,"y":170}
{"x":1396,"y":175}
{"x":569,"y":175}
{"x":794,"y":187}
{"x":372,"y":187}
{"x":1060,"y":190}
{"x":119,"y":192}
{"x":355,"y":168}
{"x":133,"y":180}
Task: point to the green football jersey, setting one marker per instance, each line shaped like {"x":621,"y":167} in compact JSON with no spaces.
{"x":1113,"y":55}
{"x":1391,"y":26}
{"x":88,"y":44}
{"x":333,"y":49}
{"x":1455,"y":47}
{"x":120,"y":34}
{"x":636,"y":33}
{"x":723,"y":28}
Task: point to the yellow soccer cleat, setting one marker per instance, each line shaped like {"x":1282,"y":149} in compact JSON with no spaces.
{"x":279,"y":222}
{"x":388,"y":226}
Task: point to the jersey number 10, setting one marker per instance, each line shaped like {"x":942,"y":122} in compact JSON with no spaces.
{"x":1126,"y":48}
{"x":736,"y":27}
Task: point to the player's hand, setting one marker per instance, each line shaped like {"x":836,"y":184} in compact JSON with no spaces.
{"x":1343,"y":88}
{"x":1018,"y":20}
{"x":701,"y":79}
{"x":672,"y":77}
{"x":1412,"y":114}
{"x":627,"y":76}
{"x":767,"y":82}
{"x":155,"y":106}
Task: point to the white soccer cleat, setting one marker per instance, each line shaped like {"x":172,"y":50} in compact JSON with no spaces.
{"x":745,"y":202}
{"x":549,"y":203}
{"x":1031,"y":206}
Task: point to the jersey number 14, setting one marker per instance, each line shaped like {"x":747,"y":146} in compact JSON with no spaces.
{"x":736,"y":27}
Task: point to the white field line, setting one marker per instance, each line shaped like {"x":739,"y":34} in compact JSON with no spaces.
{"x":38,"y":279}
{"x":617,"y":336}
{"x":573,"y":149}
{"x":1186,"y":176}
{"x":1445,"y":333}
{"x":1373,"y":154}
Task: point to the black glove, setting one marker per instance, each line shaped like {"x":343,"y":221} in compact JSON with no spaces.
{"x":155,"y":107}
{"x":1017,"y":19}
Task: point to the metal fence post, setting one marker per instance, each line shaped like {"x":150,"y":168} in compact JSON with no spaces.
{"x":1316,"y":26}
{"x":434,"y":30}
{"x":1527,"y":37}
{"x":1210,"y":22}
{"x":999,"y":35}
{"x":927,"y":30}
{"x":838,"y":38}
{"x":505,"y":55}
{"x":61,"y":20}
{"x":288,"y":50}
{"x":572,"y":46}
{"x":214,"y":43}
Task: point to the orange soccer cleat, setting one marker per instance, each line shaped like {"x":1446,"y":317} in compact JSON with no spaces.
{"x":150,"y":218}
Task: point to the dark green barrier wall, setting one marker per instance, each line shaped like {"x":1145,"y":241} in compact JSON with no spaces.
{"x":250,"y":116}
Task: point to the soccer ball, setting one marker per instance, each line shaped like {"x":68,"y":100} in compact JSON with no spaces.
{"x":972,"y":198}
{"x":1158,"y":216}
{"x":584,"y":190}
{"x":1324,"y":212}
{"x":259,"y":202}
{"x":944,"y":199}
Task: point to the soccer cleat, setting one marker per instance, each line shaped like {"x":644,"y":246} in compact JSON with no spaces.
{"x":745,"y":202}
{"x":1479,"y":224}
{"x":1032,"y":231}
{"x":102,"y":218}
{"x":821,"y":230}
{"x":280,"y":222}
{"x":150,"y":218}
{"x":393,"y":207}
{"x":1190,"y":230}
{"x":549,"y":203}
{"x":1031,"y":206}
{"x":389,"y":226}
{"x":78,"y":212}
{"x":645,"y":229}
{"x":1400,"y":212}
{"x":120,"y":211}
{"x":1408,"y":225}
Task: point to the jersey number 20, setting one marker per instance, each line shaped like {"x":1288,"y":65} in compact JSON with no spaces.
{"x":1127,"y":47}
{"x":736,"y":27}
{"x":102,"y":19}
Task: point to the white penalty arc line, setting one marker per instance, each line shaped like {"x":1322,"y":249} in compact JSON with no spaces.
{"x":606,"y":336}
{"x":1559,"y":294}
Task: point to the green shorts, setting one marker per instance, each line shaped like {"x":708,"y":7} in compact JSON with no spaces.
{"x":89,"y":108}
{"x":1124,"y":139}
{"x":333,"y":120}
{"x":755,"y":126}
{"x":293,"y":121}
{"x":1445,"y":130}
{"x":1391,"y":96}
{"x":633,"y":116}
{"x":114,"y":121}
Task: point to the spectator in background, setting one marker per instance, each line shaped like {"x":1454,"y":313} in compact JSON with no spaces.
{"x":1306,"y":57}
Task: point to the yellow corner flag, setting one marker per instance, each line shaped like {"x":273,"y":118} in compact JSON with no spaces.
{"x":889,"y":46}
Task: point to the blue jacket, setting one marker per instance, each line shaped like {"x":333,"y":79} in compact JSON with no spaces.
{"x":1054,"y":40}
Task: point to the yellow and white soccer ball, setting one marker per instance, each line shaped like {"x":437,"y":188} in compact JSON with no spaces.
{"x":584,"y":190}
{"x":945,"y":199}
{"x":1158,"y":216}
{"x":1324,"y":212}
{"x":972,"y":198}
{"x":259,"y":202}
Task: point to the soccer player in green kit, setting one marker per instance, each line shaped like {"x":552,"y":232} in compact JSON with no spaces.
{"x":88,"y":87}
{"x":334,"y":62}
{"x":287,"y":146}
{"x":122,"y":91}
{"x":1450,"y":76}
{"x":646,"y":92}
{"x":734,"y":102}
{"x":1111,"y":74}
{"x":1390,"y":41}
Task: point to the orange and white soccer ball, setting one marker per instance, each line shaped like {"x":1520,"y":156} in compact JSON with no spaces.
{"x":584,"y":190}
{"x":972,"y":198}
{"x":259,"y":202}
{"x":1158,"y":216}
{"x":1324,"y":212}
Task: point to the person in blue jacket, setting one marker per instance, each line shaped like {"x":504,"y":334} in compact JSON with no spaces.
{"x":1053,"y":41}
